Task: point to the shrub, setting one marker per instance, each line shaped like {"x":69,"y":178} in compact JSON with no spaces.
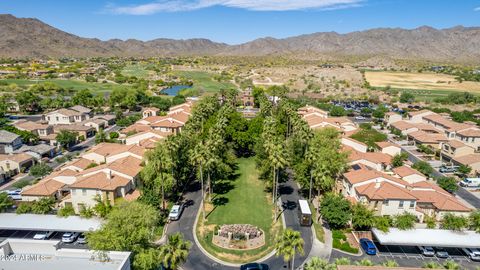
{"x":21,"y":183}
{"x":405,"y":221}
{"x":24,"y":208}
{"x":40,"y":170}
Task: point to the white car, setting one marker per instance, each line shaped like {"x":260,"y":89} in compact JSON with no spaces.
{"x":472,"y":253}
{"x":360,"y":118}
{"x":43,"y":235}
{"x":70,"y":237}
{"x":427,"y":251}
{"x":175,"y":212}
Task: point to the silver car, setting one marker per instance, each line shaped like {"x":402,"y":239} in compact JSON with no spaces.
{"x":70,"y":237}
{"x":441,"y":253}
{"x":427,"y":251}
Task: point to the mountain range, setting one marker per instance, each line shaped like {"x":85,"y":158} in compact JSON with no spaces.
{"x":27,"y":37}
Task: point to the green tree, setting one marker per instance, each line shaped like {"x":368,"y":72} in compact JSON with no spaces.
{"x":316,"y":263}
{"x":43,"y":206}
{"x":405,"y":221}
{"x":383,"y":223}
{"x":102,"y":207}
{"x":407,"y":97}
{"x":431,"y":222}
{"x":66,"y":211}
{"x":453,"y":222}
{"x":5,"y":202}
{"x":40,"y":170}
{"x":23,"y":208}
{"x":336,"y":210}
{"x":100,"y":137}
{"x":198,"y":157}
{"x":379,"y":113}
{"x":337,"y":111}
{"x":399,"y":159}
{"x":288,"y":245}
{"x":464,"y":170}
{"x":83,"y":97}
{"x":175,"y":251}
{"x":362,"y":217}
{"x":448,"y":183}
{"x":113,"y":135}
{"x":66,"y":138}
{"x":129,"y":226}
{"x":423,"y":167}
{"x":474,"y":220}
{"x":147,"y":259}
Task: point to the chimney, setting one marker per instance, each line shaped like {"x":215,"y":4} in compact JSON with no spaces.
{"x":377,"y":183}
{"x":109,"y":174}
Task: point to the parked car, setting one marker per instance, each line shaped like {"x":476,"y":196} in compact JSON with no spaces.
{"x":368,"y":246}
{"x":441,"y":253}
{"x":470,"y":182}
{"x":448,"y":169}
{"x":472,"y":253}
{"x":427,"y":251}
{"x":70,"y":237}
{"x":254,"y":266}
{"x":360,"y":117}
{"x":14,"y":194}
{"x":43,"y":235}
{"x":81,"y":239}
{"x":175,"y":212}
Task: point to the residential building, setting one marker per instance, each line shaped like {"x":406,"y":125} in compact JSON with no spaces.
{"x":417,"y":116}
{"x":16,"y":163}
{"x":38,"y":151}
{"x":9,"y":142}
{"x":391,"y":117}
{"x":454,"y":148}
{"x":75,"y":114}
{"x":389,"y":148}
{"x":42,"y":130}
{"x":150,"y":111}
{"x":246,"y":98}
{"x":109,"y":152}
{"x":409,"y":174}
{"x":471,"y":160}
{"x":374,"y":160}
{"x":137,"y":138}
{"x":83,"y":131}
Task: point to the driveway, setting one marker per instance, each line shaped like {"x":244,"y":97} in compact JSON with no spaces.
{"x":197,"y":260}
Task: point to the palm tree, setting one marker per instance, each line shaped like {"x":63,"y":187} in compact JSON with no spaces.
{"x":316,"y":263}
{"x":198,"y":158}
{"x":172,"y":146}
{"x":432,"y":265}
{"x":158,"y":160}
{"x":451,"y":265}
{"x":278,"y":158}
{"x":175,"y":251}
{"x":342,"y":261}
{"x":289,"y":244}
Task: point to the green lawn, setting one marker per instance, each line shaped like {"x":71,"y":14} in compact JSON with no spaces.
{"x":423,"y":95}
{"x":202,"y":82}
{"x":67,"y":84}
{"x":245,"y":203}
{"x":137,"y":70}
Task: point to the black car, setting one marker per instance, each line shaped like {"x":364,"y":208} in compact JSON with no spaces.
{"x":254,"y":266}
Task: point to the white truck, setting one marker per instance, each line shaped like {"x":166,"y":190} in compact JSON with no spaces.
{"x":470,"y":182}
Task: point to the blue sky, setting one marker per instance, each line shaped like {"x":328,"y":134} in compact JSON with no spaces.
{"x":237,"y":21}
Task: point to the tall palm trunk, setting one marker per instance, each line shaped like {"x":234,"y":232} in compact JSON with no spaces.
{"x":293,"y":258}
{"x":203,"y":191}
{"x":310,"y":188}
{"x":162,"y":186}
{"x":209,"y":186}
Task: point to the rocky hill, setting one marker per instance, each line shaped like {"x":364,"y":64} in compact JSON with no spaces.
{"x":24,"y":37}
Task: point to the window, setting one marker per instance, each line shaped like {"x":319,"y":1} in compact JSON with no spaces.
{"x":412,"y":204}
{"x":400,"y":204}
{"x":84,"y":192}
{"x":74,"y":192}
{"x":385,"y":202}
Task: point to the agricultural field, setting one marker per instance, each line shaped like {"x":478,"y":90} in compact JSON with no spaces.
{"x":424,"y":81}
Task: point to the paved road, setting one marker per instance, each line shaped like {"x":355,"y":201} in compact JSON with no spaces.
{"x":198,"y":261}
{"x":462,"y":193}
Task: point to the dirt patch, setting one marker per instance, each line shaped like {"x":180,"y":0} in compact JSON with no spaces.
{"x":427,"y":81}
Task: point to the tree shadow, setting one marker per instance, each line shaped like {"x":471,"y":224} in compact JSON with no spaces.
{"x":217,"y":201}
{"x":285,"y":189}
{"x":193,"y":186}
{"x":223,"y":187}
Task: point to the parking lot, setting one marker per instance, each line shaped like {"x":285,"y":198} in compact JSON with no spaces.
{"x":410,"y":252}
{"x":24,"y":234}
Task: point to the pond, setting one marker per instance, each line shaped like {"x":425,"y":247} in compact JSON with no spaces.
{"x":173,"y":90}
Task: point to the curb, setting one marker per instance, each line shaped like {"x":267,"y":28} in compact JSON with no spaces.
{"x":210,"y":256}
{"x":360,"y":253}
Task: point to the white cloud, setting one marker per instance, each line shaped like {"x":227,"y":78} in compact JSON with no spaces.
{"x":257,"y":5}
{"x":476,"y":9}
